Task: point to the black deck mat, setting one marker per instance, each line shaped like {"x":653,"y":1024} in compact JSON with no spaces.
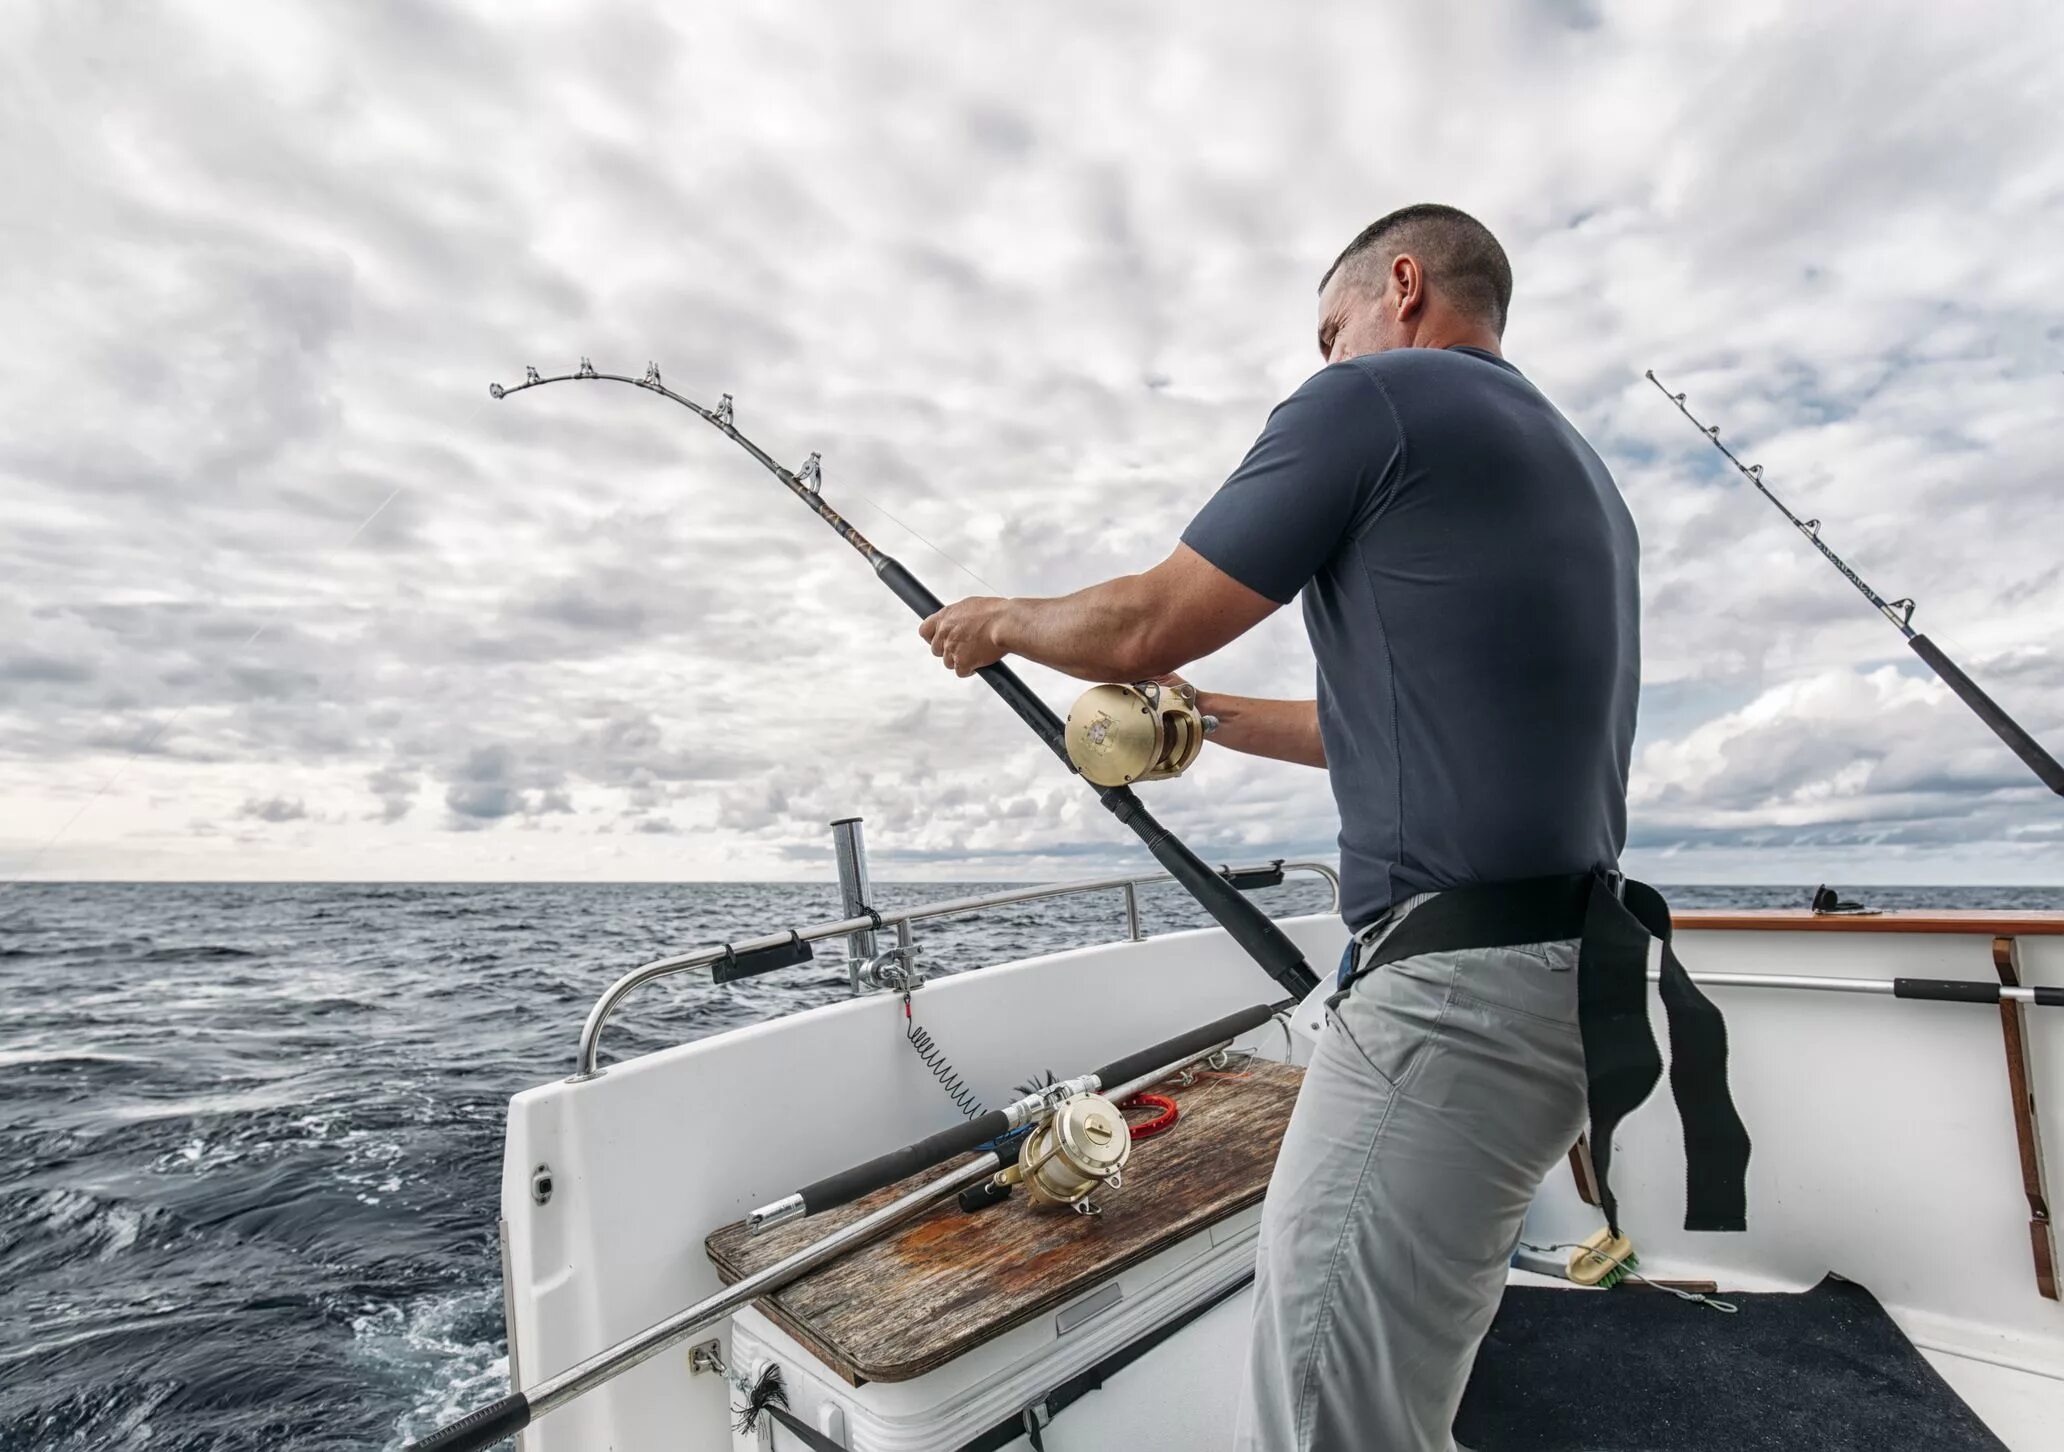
{"x":1638,"y":1371}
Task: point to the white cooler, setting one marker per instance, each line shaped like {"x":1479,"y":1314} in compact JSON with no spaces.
{"x":1181,"y":1395}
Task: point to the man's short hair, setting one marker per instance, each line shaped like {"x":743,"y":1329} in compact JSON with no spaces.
{"x":1463,"y":261}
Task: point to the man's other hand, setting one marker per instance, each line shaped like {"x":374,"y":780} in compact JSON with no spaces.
{"x":966,"y":635}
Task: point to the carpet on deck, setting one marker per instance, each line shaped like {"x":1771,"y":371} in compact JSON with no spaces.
{"x":1635,"y":1370}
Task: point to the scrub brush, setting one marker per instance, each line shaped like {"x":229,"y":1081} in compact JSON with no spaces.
{"x":1602,"y":1260}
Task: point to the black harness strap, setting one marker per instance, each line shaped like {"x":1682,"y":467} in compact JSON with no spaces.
{"x":1621,"y":1061}
{"x":1716,"y":1143}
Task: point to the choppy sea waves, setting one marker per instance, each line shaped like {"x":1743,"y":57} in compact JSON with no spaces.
{"x":250,"y":1135}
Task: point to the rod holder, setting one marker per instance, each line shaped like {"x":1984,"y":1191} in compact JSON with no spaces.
{"x":850,"y":847}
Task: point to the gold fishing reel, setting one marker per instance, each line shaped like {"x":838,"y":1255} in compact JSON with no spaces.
{"x":1118,"y":735}
{"x":1079,"y":1149}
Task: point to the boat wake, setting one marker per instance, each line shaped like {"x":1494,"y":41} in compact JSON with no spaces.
{"x":448,"y":1346}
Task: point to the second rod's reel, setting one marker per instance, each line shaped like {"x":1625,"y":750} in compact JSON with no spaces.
{"x":1078,"y":1149}
{"x":1146,"y":731}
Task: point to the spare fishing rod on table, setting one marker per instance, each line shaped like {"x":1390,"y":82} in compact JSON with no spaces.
{"x":1250,"y":927}
{"x":1899,"y":612}
{"x":1124,"y":1077}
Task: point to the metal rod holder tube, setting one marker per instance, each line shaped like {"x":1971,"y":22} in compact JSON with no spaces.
{"x":1132,"y":929}
{"x":856,"y":891}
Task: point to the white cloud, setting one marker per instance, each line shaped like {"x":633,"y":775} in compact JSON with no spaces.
{"x":1030,"y":280}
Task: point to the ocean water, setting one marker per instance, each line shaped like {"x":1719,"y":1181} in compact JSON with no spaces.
{"x":250,"y":1135}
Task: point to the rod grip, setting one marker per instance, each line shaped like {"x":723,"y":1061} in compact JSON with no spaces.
{"x":1988,"y":710}
{"x":849,"y":1185}
{"x":1183,"y":1046}
{"x":1245,"y":923}
{"x":480,"y":1428}
{"x":1947,"y":990}
{"x":907,"y":587}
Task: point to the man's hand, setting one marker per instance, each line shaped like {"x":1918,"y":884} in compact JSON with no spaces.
{"x":966,"y":635}
{"x":1122,"y":630}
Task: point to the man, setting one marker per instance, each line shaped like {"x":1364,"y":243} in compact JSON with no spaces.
{"x":1469,"y":579}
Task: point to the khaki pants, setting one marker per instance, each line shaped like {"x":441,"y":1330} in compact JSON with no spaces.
{"x":1442,"y":1092}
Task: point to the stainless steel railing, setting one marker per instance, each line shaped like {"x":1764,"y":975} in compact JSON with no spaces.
{"x":901,"y":920}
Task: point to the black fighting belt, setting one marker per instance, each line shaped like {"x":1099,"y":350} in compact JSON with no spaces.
{"x":1614,"y":918}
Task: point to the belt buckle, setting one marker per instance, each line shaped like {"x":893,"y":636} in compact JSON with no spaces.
{"x":1617,"y":881}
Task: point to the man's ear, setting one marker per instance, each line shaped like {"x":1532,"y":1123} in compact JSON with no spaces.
{"x":1410,"y":280}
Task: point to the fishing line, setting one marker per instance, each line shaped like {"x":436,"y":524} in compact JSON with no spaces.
{"x":879,"y":508}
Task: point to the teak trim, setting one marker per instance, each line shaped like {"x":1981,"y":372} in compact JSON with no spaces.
{"x":1798,"y":920}
{"x":2042,"y":1237}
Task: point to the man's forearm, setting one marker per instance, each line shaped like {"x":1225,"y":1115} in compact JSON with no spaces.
{"x":1122,"y":630}
{"x":1105,"y":633}
{"x":1282,"y":730}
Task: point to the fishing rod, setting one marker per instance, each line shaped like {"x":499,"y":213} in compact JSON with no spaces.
{"x":1247,"y":924}
{"x":1899,"y":612}
{"x":485,"y":1426}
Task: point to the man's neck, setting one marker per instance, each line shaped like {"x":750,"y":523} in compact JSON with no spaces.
{"x":1460,"y":336}
{"x":1443,"y":327}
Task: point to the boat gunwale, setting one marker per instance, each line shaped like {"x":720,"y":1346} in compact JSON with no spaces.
{"x":1969,"y":922}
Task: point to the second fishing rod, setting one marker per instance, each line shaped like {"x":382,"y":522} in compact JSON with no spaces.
{"x":2048,"y":770}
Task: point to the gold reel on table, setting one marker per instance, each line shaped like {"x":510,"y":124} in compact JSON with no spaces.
{"x":1118,"y":735}
{"x":1082,"y":1148}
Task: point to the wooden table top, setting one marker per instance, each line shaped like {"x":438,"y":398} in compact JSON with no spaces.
{"x":903,"y":1305}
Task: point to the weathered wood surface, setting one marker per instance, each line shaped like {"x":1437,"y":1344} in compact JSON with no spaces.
{"x":949,"y":1281}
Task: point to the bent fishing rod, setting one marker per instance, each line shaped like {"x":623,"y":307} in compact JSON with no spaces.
{"x":1127,"y":1076}
{"x":1899,"y":612}
{"x":1247,"y":924}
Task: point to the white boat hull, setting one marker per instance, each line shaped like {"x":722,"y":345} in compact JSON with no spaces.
{"x":1885,"y":1151}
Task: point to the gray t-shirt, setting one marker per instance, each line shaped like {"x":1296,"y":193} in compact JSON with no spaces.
{"x":1469,"y":579}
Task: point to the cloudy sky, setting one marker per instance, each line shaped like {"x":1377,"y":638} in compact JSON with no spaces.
{"x":284,"y":594}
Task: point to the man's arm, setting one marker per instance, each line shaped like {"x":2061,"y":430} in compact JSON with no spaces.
{"x":1125,"y":629}
{"x":1133,"y":628}
{"x":1311,"y":479}
{"x":1281,"y":730}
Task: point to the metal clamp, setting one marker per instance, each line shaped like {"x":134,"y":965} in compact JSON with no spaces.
{"x":894,"y":969}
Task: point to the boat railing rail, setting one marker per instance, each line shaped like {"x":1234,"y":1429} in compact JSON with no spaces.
{"x":896,"y":967}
